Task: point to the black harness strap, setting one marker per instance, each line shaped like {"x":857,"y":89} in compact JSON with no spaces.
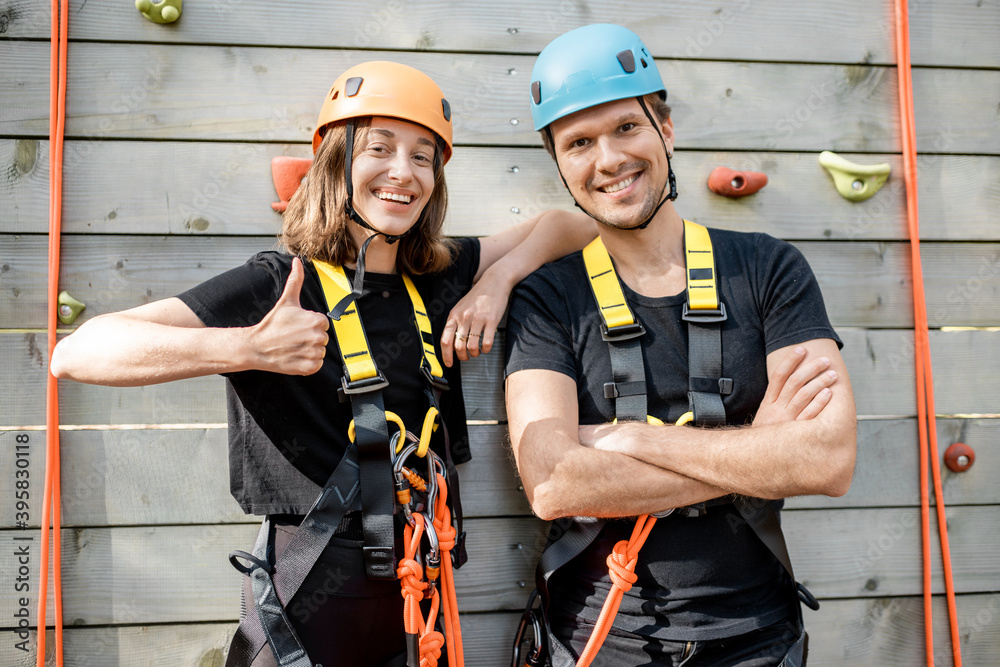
{"x":274,"y":584}
{"x":377,"y":491}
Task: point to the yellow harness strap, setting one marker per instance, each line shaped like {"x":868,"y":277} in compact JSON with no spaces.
{"x":354,"y":349}
{"x":424,"y":330}
{"x":702,"y":291}
{"x":350,"y":333}
{"x":614,"y":310}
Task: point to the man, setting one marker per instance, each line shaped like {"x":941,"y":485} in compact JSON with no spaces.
{"x":712,"y":584}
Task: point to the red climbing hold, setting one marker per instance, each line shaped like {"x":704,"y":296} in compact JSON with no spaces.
{"x":959,"y":457}
{"x":731,"y":183}
{"x":288,"y":173}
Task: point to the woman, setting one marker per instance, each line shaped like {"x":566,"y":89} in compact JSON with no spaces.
{"x":370,"y":211}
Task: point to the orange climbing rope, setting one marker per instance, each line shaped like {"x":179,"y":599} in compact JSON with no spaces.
{"x":51,"y":492}
{"x":926,"y":422}
{"x":446,"y":542}
{"x":621,"y":566}
{"x":414,"y":589}
{"x":436,"y":582}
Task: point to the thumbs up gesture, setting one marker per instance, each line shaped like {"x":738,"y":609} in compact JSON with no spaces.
{"x":290,"y":339}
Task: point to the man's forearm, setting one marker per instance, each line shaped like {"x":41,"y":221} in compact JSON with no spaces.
{"x":567,"y":479}
{"x":773,"y":461}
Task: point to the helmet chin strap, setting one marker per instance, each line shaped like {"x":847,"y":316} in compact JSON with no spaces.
{"x":351,"y":213}
{"x":359,"y":273}
{"x":671,"y":179}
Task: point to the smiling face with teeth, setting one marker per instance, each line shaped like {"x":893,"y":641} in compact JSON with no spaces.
{"x":393,"y":175}
{"x":613,"y":161}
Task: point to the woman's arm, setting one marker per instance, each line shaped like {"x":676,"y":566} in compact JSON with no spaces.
{"x":505,"y":259}
{"x":165,"y":340}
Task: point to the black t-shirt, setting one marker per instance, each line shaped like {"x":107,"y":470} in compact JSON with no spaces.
{"x":287,"y":433}
{"x":699,"y":578}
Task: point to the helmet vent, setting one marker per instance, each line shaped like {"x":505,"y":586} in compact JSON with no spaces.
{"x":643,"y":61}
{"x":627,"y":61}
{"x":446,"y":109}
{"x":536,"y":92}
{"x":336,"y":93}
{"x":353,"y":85}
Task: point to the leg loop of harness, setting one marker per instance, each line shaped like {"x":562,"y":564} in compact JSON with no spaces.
{"x":270,"y":625}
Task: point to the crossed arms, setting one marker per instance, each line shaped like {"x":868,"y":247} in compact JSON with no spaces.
{"x":802,"y":441}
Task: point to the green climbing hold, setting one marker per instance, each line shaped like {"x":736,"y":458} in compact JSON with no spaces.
{"x":856,"y":182}
{"x":69,"y":308}
{"x":160,"y":11}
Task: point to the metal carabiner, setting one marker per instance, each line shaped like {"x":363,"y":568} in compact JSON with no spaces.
{"x":536,"y":649}
{"x":402,"y":485}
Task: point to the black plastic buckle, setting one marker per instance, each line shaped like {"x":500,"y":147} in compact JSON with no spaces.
{"x":623,"y":332}
{"x":438,"y":383}
{"x":704,"y":315}
{"x":693,"y":511}
{"x":459,"y":556}
{"x":722,"y":386}
{"x":380,"y":562}
{"x":363,"y":386}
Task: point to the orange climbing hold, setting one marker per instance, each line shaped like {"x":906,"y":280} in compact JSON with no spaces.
{"x":288,"y":173}
{"x":731,"y":183}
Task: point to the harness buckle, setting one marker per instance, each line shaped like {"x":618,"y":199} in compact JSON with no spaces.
{"x":459,"y":556}
{"x":704,"y":315}
{"x":623,"y":332}
{"x":363,"y":386}
{"x":438,"y":383}
{"x":380,"y":562}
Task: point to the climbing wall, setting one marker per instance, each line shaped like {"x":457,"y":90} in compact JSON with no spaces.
{"x":170,"y":133}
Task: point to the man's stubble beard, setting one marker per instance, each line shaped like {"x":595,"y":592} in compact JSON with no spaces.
{"x":613,"y":216}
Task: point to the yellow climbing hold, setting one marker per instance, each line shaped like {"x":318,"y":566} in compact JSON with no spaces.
{"x":69,"y":308}
{"x":856,"y":182}
{"x":160,"y":11}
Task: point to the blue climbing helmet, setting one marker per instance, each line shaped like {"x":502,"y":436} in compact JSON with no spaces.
{"x":589,"y":66}
{"x":592,"y":65}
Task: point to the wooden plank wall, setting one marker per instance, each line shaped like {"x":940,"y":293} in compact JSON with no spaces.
{"x":170,"y":132}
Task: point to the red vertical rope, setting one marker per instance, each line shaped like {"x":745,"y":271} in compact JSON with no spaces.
{"x":51,"y":490}
{"x":926,"y":420}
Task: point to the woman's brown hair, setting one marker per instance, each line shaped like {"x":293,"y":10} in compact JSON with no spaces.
{"x":315,"y":223}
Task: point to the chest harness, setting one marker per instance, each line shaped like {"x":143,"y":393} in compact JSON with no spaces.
{"x":704,"y":314}
{"x":373,"y":471}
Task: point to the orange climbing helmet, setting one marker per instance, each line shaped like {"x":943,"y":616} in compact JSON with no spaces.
{"x":382,"y":88}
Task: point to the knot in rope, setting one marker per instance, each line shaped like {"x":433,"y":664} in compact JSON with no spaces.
{"x":446,"y":533}
{"x":621,"y":566}
{"x":430,"y":648}
{"x":411,"y":578}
